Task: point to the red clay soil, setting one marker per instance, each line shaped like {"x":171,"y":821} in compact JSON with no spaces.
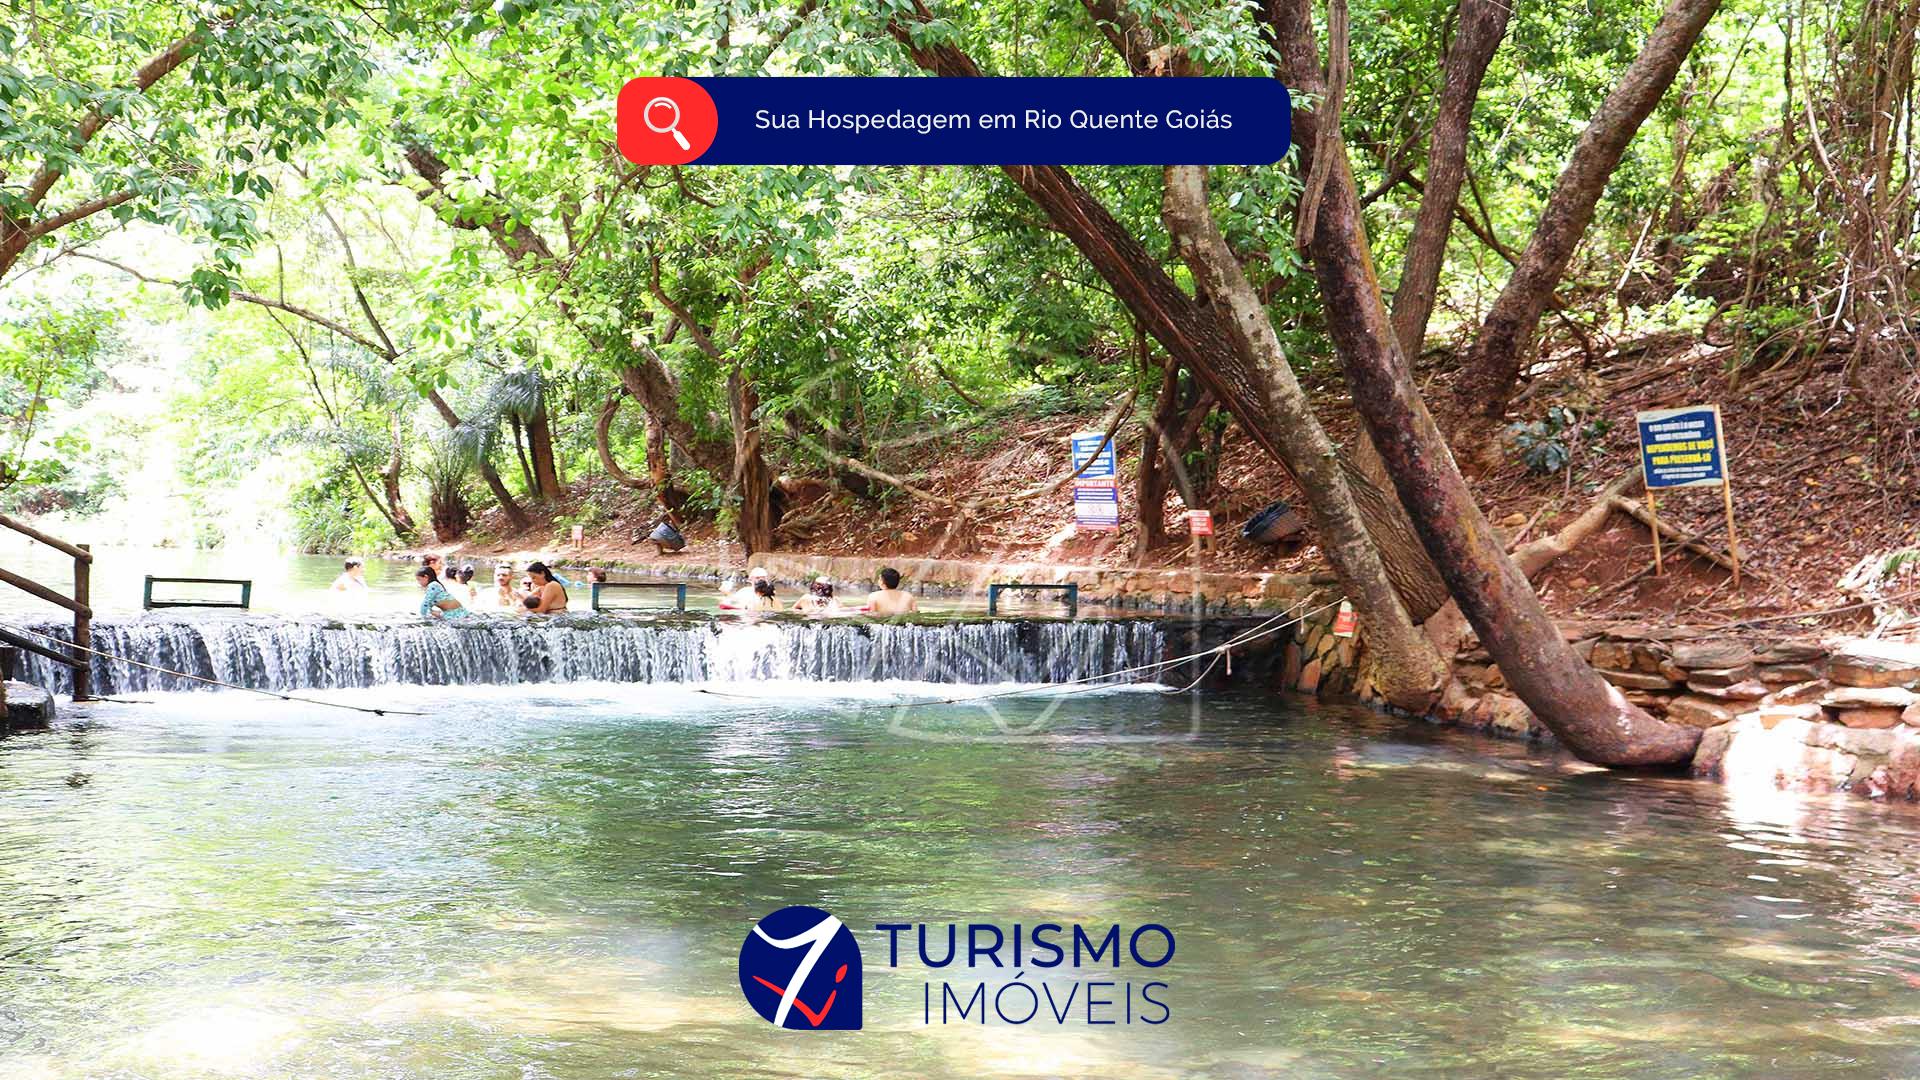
{"x":1824,"y":474}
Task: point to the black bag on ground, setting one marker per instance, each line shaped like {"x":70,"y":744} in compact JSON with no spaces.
{"x":1276,"y":523}
{"x":667,"y":537}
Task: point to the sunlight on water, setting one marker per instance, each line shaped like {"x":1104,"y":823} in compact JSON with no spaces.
{"x":554,"y":881}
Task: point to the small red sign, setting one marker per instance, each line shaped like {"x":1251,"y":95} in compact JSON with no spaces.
{"x":661,"y":121}
{"x":1344,"y":620}
{"x":1200,"y":523}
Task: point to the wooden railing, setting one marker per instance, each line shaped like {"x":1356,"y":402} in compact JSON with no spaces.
{"x":78,"y":603}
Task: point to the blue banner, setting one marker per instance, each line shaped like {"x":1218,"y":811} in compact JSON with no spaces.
{"x":832,"y":120}
{"x":1094,"y":450}
{"x":1682,"y":447}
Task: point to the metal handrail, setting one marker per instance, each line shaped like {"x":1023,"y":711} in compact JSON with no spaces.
{"x":679,"y":587}
{"x":245,"y":602}
{"x":994,"y":591}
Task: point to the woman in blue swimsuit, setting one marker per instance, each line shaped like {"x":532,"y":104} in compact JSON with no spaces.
{"x":436,"y":602}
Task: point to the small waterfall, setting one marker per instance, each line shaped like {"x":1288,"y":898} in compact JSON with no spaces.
{"x":271,"y":653}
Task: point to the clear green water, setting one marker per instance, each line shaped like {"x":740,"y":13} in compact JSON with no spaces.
{"x":555,"y":883}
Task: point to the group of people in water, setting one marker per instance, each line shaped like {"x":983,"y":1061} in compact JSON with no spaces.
{"x":759,"y":595}
{"x":452,"y":593}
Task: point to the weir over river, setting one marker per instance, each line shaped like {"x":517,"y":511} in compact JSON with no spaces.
{"x":276,"y":653}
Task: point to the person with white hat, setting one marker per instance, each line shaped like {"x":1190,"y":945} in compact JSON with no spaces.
{"x":819,"y":599}
{"x":748,"y":597}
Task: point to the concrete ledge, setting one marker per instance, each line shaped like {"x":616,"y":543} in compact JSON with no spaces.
{"x":1144,"y":589}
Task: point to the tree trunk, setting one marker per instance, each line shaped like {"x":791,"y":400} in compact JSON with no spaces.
{"x":672,"y":500}
{"x":603,"y":443}
{"x":1506,"y":336}
{"x":390,"y":483}
{"x":1150,"y":487}
{"x":546,"y":471}
{"x":751,"y":474}
{"x":1584,"y":711}
{"x":520,"y":455}
{"x":1409,"y":672}
{"x":1192,"y":336}
{"x":1482,"y":24}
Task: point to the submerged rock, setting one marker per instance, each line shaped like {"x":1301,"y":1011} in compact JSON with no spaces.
{"x":27,"y":706}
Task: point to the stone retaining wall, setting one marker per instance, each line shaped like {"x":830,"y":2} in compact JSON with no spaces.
{"x":1121,"y":587}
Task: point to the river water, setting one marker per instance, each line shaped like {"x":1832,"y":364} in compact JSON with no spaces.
{"x":555,"y":881}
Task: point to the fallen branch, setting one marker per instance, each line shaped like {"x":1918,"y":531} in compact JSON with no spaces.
{"x":1688,"y":541}
{"x":1537,"y":556}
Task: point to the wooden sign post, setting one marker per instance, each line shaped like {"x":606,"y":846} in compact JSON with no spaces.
{"x":1683,"y":448}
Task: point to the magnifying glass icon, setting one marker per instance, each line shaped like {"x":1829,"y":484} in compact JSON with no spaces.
{"x":671,"y":127}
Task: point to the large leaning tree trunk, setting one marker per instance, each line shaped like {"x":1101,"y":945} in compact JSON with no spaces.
{"x":1406,"y":667}
{"x":1587,"y":714}
{"x":1506,"y":335}
{"x":1190,"y":333}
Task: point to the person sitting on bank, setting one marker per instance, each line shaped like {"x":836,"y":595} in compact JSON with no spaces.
{"x":819,"y":599}
{"x":352,"y":579}
{"x":746,"y":597}
{"x":551,"y":596}
{"x":891,"y":599}
{"x":435,"y":601}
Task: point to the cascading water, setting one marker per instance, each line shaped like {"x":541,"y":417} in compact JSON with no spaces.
{"x":298,"y":654}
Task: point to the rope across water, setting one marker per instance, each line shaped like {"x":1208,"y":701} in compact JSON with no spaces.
{"x":212,"y":681}
{"x":1095,"y":682}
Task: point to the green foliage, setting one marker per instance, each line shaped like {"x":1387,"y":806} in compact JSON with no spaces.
{"x":233,"y":90}
{"x":49,"y":356}
{"x":1548,"y":445}
{"x":589,"y":515}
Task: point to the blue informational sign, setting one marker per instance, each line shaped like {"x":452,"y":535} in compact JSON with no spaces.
{"x":836,"y":120}
{"x":1096,"y":446}
{"x":1682,"y":447}
{"x":1097,"y":507}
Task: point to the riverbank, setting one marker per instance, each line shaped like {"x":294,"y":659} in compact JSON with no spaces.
{"x":1790,"y":708}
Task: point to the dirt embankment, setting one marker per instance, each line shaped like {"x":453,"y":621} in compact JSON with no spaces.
{"x":1824,"y":474}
